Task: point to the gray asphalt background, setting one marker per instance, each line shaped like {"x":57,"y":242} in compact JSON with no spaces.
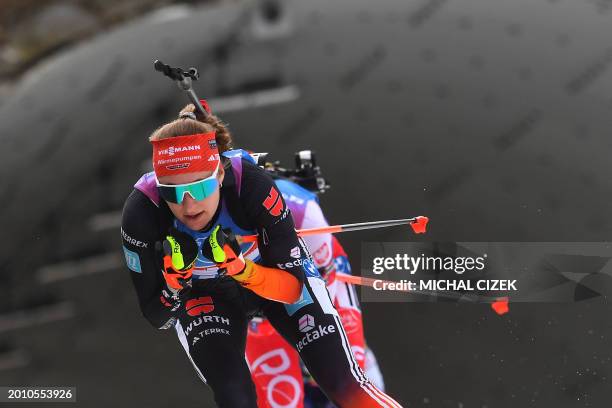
{"x":491,"y":117}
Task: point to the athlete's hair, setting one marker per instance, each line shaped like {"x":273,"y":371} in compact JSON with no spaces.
{"x":186,"y":125}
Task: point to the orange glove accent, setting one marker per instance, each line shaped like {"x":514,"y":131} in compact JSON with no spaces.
{"x":179,"y":252}
{"x":176,"y":280}
{"x":270,"y":283}
{"x":234,"y":264}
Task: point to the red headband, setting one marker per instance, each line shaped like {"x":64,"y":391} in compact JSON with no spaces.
{"x":185,"y":154}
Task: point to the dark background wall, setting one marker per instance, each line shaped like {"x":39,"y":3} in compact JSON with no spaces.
{"x":490,"y":117}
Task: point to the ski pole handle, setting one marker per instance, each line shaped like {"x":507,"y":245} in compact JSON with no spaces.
{"x":184,"y":80}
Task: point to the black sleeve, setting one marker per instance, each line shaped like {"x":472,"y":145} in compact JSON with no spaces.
{"x":279,"y":245}
{"x":139,"y":231}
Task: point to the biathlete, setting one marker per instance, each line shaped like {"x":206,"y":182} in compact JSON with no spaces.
{"x":280,"y":379}
{"x":179,"y":230}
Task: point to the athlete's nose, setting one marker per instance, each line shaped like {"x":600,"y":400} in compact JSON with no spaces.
{"x":190,"y":205}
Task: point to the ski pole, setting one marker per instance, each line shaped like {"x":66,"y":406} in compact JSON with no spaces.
{"x":369,"y":282}
{"x":418,"y":224}
{"x":184,"y":80}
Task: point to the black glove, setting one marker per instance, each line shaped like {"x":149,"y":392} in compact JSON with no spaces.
{"x":223,"y":248}
{"x":179,"y":251}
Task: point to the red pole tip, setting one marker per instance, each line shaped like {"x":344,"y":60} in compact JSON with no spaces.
{"x":205,"y":105}
{"x":420,"y":225}
{"x":500,"y":306}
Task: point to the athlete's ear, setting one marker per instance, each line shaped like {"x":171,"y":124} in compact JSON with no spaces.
{"x":220,"y":175}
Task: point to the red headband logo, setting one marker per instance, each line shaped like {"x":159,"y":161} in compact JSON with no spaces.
{"x":185,"y":154}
